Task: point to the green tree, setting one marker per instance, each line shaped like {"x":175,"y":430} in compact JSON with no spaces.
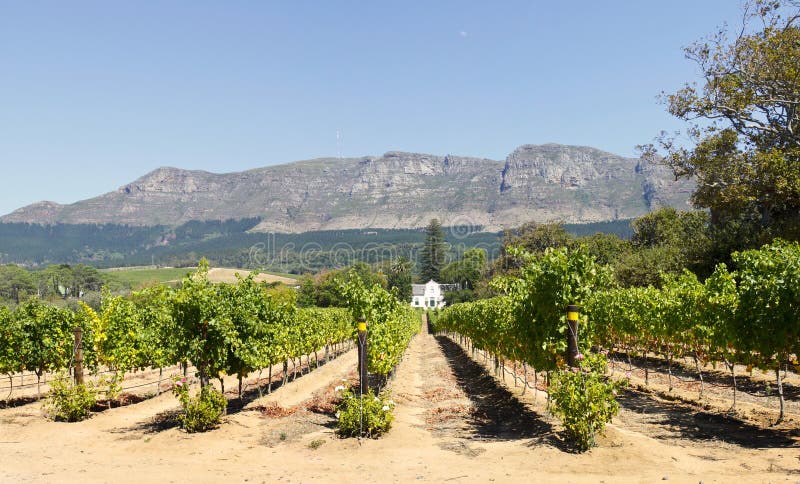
{"x":15,"y":283}
{"x":434,"y":252}
{"x":398,"y":278}
{"x":467,"y":272}
{"x":644,"y":266}
{"x":665,"y":241}
{"x":307,"y":295}
{"x":668,"y":226}
{"x":54,"y":280}
{"x":85,"y":278}
{"x":606,"y":248}
{"x":745,"y":125}
{"x":535,"y":238}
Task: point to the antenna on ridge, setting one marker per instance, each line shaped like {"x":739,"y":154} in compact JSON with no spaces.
{"x":339,"y":144}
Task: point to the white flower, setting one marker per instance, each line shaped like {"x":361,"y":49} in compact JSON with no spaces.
{"x":385,"y":408}
{"x":376,"y":399}
{"x":390,"y":402}
{"x":338,"y":414}
{"x":339,"y":388}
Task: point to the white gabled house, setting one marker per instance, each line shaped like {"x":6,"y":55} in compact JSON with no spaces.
{"x":430,"y":294}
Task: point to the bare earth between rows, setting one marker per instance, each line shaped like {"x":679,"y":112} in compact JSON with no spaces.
{"x":454,"y":422}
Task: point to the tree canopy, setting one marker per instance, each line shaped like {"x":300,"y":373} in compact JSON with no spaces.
{"x":744,"y":124}
{"x":398,"y":278}
{"x":16,"y":283}
{"x":433,"y":254}
{"x":467,"y":271}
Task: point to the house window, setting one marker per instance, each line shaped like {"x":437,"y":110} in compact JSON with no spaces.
{"x":432,"y":302}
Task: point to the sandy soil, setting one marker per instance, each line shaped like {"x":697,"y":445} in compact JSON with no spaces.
{"x":218,"y":274}
{"x":756,"y":391}
{"x":454,"y":422}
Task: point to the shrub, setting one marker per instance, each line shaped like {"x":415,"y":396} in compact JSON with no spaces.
{"x":376,"y":414}
{"x":202,"y":412}
{"x":68,"y":402}
{"x":584,"y":399}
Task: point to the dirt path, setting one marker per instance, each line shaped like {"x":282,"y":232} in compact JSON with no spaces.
{"x":649,"y":440}
{"x":140,"y":442}
{"x":454,"y":422}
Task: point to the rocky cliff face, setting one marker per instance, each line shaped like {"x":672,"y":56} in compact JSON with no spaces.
{"x":587,"y":184}
{"x":396,"y":190}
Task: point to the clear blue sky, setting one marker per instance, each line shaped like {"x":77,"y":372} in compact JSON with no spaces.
{"x":96,"y":94}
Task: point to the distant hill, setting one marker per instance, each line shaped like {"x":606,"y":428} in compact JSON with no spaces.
{"x":231,"y":243}
{"x":397,"y":190}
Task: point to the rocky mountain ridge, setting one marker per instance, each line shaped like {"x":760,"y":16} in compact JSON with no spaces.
{"x":396,"y":190}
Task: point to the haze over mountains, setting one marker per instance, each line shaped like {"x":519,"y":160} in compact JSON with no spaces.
{"x":396,"y":190}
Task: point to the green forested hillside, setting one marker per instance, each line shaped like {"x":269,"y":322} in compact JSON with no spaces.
{"x":228,"y":244}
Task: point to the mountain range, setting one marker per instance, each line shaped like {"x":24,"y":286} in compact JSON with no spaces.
{"x":540,"y":183}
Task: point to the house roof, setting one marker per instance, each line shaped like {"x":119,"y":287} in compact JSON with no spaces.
{"x":417,"y":289}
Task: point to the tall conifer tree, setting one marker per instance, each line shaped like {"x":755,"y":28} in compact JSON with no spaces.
{"x":432,"y":257}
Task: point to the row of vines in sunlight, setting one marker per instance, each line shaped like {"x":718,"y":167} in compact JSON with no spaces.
{"x":219,"y":329}
{"x":743,"y":316}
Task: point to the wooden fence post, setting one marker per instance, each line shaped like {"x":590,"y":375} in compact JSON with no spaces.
{"x":362,"y":355}
{"x":78,"y":356}
{"x":572,"y":334}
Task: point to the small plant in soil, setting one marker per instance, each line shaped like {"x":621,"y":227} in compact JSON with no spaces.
{"x":202,"y":412}
{"x":584,"y":399}
{"x":370,"y":416}
{"x":68,"y":402}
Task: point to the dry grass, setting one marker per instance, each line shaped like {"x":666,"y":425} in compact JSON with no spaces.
{"x":218,"y":274}
{"x":439,"y":415}
{"x":440,"y":394}
{"x":323,"y":403}
{"x":276,"y":411}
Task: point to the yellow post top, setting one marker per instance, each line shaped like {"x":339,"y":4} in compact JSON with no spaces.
{"x":362,"y":326}
{"x":572,"y":312}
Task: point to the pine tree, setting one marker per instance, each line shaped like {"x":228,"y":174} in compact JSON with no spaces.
{"x":432,"y":257}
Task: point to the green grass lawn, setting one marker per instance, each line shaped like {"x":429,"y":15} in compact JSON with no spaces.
{"x":137,"y":277}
